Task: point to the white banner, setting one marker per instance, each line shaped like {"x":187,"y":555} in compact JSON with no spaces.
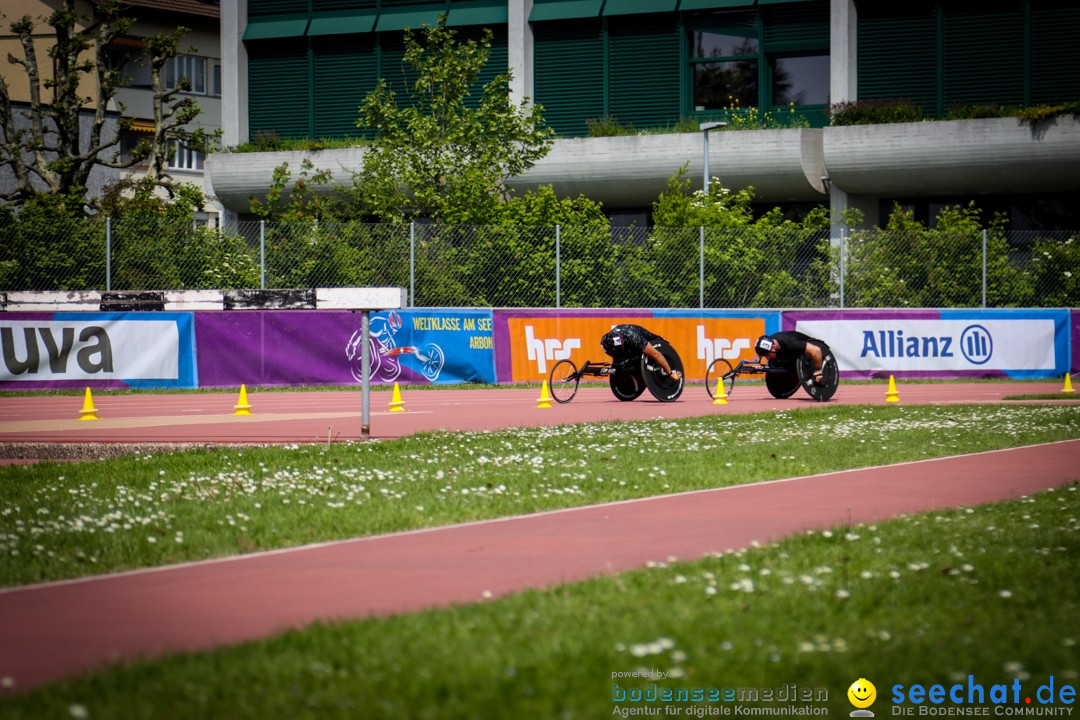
{"x":89,"y":350}
{"x":937,"y":345}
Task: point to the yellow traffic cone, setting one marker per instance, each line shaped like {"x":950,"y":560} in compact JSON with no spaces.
{"x":88,"y":412}
{"x":545,"y":397}
{"x":396,"y":403}
{"x":891,"y":395}
{"x":1068,"y":389}
{"x":242,"y":406}
{"x":720,"y":398}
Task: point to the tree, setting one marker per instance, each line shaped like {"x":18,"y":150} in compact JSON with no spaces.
{"x":437,"y":154}
{"x":52,"y":154}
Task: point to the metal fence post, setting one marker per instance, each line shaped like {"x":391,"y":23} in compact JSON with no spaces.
{"x":558,"y":289}
{"x":108,"y":253}
{"x":843,"y":269}
{"x":412,"y":264}
{"x":984,"y":268}
{"x":701,"y":265}
{"x":262,"y":254}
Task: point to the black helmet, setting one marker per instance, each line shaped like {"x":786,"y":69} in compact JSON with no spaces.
{"x":610,"y":342}
{"x":764,"y":345}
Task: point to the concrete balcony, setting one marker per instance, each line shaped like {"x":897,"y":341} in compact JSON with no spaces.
{"x":964,"y":157}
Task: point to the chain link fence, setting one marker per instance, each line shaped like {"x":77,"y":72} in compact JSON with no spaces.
{"x":599,"y":266}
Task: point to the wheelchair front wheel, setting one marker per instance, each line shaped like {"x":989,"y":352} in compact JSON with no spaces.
{"x":563,"y":381}
{"x":719,"y":372}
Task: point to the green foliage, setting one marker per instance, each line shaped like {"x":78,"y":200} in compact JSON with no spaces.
{"x":909,"y":265}
{"x":302,"y":203}
{"x":52,"y":246}
{"x":439,"y":153}
{"x":748,"y":262}
{"x":1055,"y":272}
{"x":872,"y":112}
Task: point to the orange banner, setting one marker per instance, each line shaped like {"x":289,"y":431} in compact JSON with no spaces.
{"x":537,"y":343}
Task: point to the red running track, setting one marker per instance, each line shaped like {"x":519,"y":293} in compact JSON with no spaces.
{"x":319,"y":416}
{"x":57,"y":630}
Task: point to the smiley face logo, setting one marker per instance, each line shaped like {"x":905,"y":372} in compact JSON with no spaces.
{"x":862,"y":693}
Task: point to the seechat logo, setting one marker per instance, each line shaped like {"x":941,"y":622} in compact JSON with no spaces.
{"x":542,"y":350}
{"x":976,"y":344}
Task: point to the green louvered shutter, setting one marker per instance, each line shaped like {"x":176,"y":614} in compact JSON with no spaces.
{"x":345,"y":72}
{"x":644,"y":63}
{"x":983,"y":54}
{"x":258,"y":8}
{"x":569,"y":74}
{"x":279,"y":97}
{"x":897,"y":51}
{"x":328,"y":5}
{"x":498,"y":59}
{"x":399,"y":75}
{"x":797,"y":27}
{"x":1055,"y":51}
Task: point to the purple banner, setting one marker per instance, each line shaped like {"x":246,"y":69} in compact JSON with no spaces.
{"x":321,"y":347}
{"x":1074,"y":338}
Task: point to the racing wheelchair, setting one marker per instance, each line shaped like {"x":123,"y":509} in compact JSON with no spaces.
{"x":781,"y":378}
{"x":627,"y":381}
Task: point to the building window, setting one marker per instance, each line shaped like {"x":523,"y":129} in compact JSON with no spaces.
{"x":725,"y":67}
{"x":203,"y":73}
{"x":184,"y":158}
{"x":800,"y":80}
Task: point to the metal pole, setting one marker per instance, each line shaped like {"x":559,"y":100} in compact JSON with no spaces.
{"x":365,"y":373}
{"x":843,"y":253}
{"x":262,"y":254}
{"x":558,"y":289}
{"x":984,"y":269}
{"x":705,"y":177}
{"x":108,"y":253}
{"x":412,"y":264}
{"x":701,"y":266}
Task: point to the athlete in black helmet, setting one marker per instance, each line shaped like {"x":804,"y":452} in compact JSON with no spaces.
{"x":790,"y":345}
{"x":627,"y":343}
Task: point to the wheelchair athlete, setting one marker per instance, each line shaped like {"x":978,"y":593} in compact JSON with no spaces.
{"x":626,"y":344}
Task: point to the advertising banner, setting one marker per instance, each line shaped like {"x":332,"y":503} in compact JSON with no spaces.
{"x":101,"y":350}
{"x":942,"y":343}
{"x":530,"y":342}
{"x":323,"y":347}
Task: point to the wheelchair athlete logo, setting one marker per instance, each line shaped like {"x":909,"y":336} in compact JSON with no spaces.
{"x":386,"y":355}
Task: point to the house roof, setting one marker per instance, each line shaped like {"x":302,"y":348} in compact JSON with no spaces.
{"x":206,"y":8}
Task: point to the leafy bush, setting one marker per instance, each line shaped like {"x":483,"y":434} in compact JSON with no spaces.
{"x":872,"y":112}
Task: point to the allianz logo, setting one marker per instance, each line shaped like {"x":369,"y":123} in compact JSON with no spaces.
{"x":976,"y":344}
{"x":541,"y":350}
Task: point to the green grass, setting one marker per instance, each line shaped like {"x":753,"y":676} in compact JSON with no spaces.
{"x":990,"y":591}
{"x":62,"y":520}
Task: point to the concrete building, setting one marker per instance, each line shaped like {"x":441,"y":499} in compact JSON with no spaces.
{"x":300,"y":68}
{"x":199,"y":61}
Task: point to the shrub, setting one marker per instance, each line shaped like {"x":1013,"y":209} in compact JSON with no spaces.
{"x":877,"y":111}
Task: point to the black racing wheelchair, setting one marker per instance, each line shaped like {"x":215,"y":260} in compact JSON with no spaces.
{"x":627,"y":381}
{"x":781,"y":379}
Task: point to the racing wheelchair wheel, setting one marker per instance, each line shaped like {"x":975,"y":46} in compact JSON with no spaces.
{"x":626,"y":386}
{"x":720,"y":371}
{"x":830,"y":379}
{"x":781,"y":380}
{"x":563,"y":381}
{"x":659,"y":382}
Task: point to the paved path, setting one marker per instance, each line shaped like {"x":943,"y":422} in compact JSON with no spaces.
{"x":60,"y":629}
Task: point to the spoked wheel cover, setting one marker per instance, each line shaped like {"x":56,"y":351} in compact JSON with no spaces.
{"x":660,"y":383}
{"x":718,"y":368}
{"x":781,"y":380}
{"x":830,"y":379}
{"x":563,"y":381}
{"x":626,"y":386}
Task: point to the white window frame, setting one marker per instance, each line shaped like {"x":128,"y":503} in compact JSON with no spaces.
{"x":183,"y":157}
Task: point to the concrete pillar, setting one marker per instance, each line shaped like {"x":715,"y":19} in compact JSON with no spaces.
{"x":520,"y":50}
{"x":844,"y":87}
{"x":234,"y":72}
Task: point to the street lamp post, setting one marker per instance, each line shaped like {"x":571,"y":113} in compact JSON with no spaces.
{"x":705,"y":127}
